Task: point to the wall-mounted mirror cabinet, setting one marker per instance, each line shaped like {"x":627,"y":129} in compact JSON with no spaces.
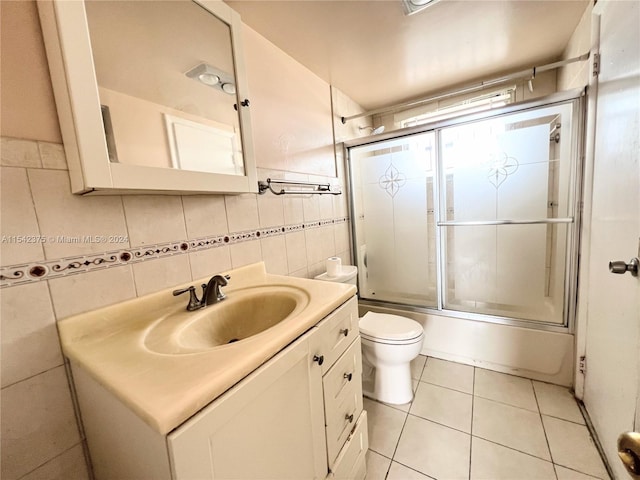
{"x":151,"y":95}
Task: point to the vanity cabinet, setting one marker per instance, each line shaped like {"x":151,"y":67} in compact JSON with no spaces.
{"x":270,"y":425}
{"x":298,"y":416}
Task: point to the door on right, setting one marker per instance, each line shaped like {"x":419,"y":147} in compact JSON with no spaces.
{"x":612,"y":302}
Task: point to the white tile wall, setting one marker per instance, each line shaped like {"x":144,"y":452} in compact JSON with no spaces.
{"x":70,"y":465}
{"x":40,"y":438}
{"x":205,"y":215}
{"x":80,"y":293}
{"x":204,"y":262}
{"x":38,"y":422}
{"x":29,"y":337}
{"x":19,"y":220}
{"x":154,"y":275}
{"x":19,"y":153}
{"x":61,"y":214}
{"x":52,"y":155}
{"x":274,"y":254}
{"x":154,"y":219}
{"x":245,"y":253}
{"x":242,"y":212}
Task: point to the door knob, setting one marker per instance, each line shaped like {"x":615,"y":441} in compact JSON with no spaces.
{"x":629,"y":453}
{"x":621,"y":267}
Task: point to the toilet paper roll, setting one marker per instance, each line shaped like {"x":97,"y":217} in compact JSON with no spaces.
{"x":334,"y":266}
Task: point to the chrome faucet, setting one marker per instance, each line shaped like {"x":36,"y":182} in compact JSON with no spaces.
{"x":211,"y":292}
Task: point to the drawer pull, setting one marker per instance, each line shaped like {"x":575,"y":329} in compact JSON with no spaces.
{"x":344,"y":331}
{"x":319,"y":359}
{"x":349,"y":417}
{"x":348,"y":376}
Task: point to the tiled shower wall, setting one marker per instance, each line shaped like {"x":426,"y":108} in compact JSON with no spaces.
{"x":54,"y":266}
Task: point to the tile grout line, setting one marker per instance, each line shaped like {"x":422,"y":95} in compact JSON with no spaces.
{"x":473,"y":400}
{"x":34,"y":375}
{"x":50,"y":459}
{"x":413,"y":470}
{"x":405,"y":421}
{"x":448,"y":388}
{"x":544,"y":430}
{"x":511,"y":405}
{"x":513,"y":449}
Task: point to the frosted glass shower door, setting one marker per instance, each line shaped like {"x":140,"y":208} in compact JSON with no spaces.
{"x":507,"y":210}
{"x":393,"y":186}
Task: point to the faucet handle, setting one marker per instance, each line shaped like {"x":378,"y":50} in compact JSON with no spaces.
{"x":194,"y":302}
{"x":183,"y":290}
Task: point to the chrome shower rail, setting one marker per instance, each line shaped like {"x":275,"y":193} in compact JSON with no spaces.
{"x":528,"y":74}
{"x":506,"y":222}
{"x":313,"y":188}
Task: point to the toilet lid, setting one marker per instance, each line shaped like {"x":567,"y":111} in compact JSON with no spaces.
{"x":385,"y":326}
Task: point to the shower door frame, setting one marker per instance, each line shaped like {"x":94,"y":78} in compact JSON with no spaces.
{"x":576,"y":97}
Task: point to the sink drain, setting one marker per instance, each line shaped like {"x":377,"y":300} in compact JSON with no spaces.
{"x":233,"y":340}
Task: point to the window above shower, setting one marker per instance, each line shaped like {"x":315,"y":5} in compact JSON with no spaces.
{"x":442,"y":110}
{"x":477,"y":218}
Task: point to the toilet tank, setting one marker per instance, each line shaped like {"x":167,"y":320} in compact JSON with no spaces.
{"x":349,"y":274}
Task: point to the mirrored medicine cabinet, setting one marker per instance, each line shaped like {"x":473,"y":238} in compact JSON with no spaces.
{"x":151,"y":95}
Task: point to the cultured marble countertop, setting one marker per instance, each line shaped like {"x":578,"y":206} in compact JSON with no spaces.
{"x":167,"y":389}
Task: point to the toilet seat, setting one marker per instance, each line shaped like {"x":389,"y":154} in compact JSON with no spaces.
{"x":390,"y":329}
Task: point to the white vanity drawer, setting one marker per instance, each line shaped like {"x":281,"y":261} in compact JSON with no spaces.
{"x":350,"y":463}
{"x":336,"y":332}
{"x":341,"y":417}
{"x":344,"y":378}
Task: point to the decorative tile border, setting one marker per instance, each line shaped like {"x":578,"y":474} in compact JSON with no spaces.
{"x":49,"y":269}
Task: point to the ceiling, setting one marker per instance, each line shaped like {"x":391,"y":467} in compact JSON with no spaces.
{"x":376,"y":55}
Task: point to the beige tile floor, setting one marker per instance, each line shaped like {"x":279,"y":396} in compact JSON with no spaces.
{"x":475,"y":424}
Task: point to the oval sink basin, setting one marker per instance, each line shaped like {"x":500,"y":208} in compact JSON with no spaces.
{"x":243,"y":314}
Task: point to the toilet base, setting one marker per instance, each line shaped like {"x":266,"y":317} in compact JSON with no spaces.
{"x":392,"y":385}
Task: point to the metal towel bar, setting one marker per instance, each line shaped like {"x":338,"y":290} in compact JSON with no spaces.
{"x":314,"y":188}
{"x":506,"y":222}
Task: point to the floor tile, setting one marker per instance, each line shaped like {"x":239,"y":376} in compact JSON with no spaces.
{"x":490,"y":461}
{"x":510,"y":426}
{"x":400,"y":472}
{"x":377,"y":466}
{"x":566,"y":474}
{"x":448,"y":374}
{"x":417,"y":365}
{"x":505,"y":388}
{"x":557,"y":401}
{"x":443,"y":405}
{"x":434,"y":450}
{"x":385,"y":426}
{"x":572,"y":446}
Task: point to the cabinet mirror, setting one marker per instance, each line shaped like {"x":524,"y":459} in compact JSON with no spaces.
{"x":151,"y":95}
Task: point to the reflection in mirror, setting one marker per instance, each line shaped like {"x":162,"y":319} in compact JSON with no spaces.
{"x":166,"y":81}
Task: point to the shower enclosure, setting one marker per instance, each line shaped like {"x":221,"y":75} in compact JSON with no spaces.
{"x":474,"y":217}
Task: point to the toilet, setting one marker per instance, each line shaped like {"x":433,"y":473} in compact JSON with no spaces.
{"x":389,"y":344}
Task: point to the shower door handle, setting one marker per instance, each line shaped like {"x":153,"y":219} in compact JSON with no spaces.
{"x":621,"y":267}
